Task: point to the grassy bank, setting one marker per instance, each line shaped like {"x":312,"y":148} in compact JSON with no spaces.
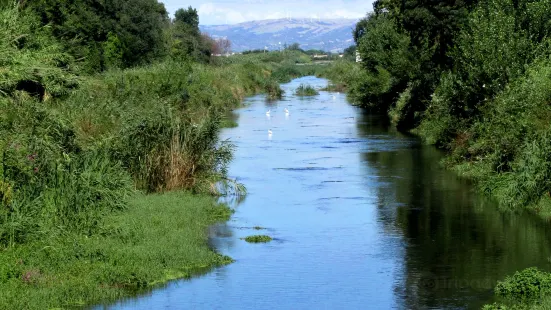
{"x":284,"y":66}
{"x":81,"y":222}
{"x":158,"y":238}
{"x":103,"y":177}
{"x":77,"y":226}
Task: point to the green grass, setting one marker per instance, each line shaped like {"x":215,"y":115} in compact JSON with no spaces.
{"x":158,"y":238}
{"x":77,"y":152}
{"x":306,"y":90}
{"x":346,"y":76}
{"x":258,"y":239}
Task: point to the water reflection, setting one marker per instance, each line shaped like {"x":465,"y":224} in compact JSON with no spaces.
{"x":362,"y":215}
{"x":458,"y":244}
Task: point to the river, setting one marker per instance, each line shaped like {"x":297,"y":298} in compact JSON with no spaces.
{"x":362,"y":216}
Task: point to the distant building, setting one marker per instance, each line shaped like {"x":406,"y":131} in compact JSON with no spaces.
{"x":358,"y":57}
{"x":320,"y":56}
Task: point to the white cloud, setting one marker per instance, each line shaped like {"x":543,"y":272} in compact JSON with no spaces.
{"x":345,"y":14}
{"x":210,"y":11}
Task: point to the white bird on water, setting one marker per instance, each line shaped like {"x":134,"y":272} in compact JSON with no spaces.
{"x":268,"y":113}
{"x":286,"y":111}
{"x":269,"y":132}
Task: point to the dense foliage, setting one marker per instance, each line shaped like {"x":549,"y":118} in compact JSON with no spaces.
{"x":526,"y":289}
{"x":106,"y":33}
{"x":118,"y":34}
{"x":101,"y":101}
{"x":471,"y":77}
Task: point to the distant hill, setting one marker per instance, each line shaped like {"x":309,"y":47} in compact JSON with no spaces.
{"x":325,"y":34}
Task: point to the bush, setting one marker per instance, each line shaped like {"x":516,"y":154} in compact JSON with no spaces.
{"x":306,"y":90}
{"x":31,"y":60}
{"x":528,"y":284}
{"x":48,"y":181}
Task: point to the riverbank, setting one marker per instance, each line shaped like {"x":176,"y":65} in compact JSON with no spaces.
{"x":504,"y":187}
{"x":520,"y":184}
{"x":443,"y":81}
{"x":157,"y":239}
{"x":85,"y":226}
{"x":80,"y":153}
{"x":348,"y":174}
{"x":79,"y":229}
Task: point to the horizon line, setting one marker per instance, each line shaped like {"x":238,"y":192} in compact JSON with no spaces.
{"x":283,"y":18}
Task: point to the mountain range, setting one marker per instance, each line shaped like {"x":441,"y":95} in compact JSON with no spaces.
{"x":324,"y":34}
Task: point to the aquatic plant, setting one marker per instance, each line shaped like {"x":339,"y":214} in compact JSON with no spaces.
{"x":306,"y":90}
{"x":258,"y":239}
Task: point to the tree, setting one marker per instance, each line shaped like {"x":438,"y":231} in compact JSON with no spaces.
{"x":350,"y":51}
{"x":83,"y":26}
{"x":360,"y":29}
{"x":212,"y":44}
{"x":187,"y":16}
{"x":387,"y":60}
{"x":224,"y":45}
{"x":431,"y":27}
{"x":294,"y":47}
{"x":113,"y":51}
{"x":187,"y":40}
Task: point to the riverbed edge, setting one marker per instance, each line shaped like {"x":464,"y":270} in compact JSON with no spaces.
{"x":541,"y":208}
{"x":158,"y":239}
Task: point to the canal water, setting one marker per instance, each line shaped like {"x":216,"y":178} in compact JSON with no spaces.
{"x":362,"y":216}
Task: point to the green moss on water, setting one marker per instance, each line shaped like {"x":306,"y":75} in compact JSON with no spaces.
{"x":258,"y":239}
{"x":157,"y":239}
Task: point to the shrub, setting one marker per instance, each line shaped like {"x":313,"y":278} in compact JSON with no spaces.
{"x":527,"y":284}
{"x":306,"y":90}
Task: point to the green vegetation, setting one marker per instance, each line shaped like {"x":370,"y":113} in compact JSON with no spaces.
{"x":109,"y":144}
{"x":469,"y":77}
{"x":258,"y":239}
{"x":474,"y":79}
{"x":526,"y":289}
{"x":159,"y":238}
{"x":306,"y":90}
{"x":344,"y":76}
{"x":284,"y":66}
{"x":122,"y":33}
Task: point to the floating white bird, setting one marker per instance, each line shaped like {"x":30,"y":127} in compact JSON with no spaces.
{"x":269,"y":132}
{"x":268,"y":113}
{"x":286,"y":111}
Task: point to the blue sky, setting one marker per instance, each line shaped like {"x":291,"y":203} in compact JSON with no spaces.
{"x":235,"y":11}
